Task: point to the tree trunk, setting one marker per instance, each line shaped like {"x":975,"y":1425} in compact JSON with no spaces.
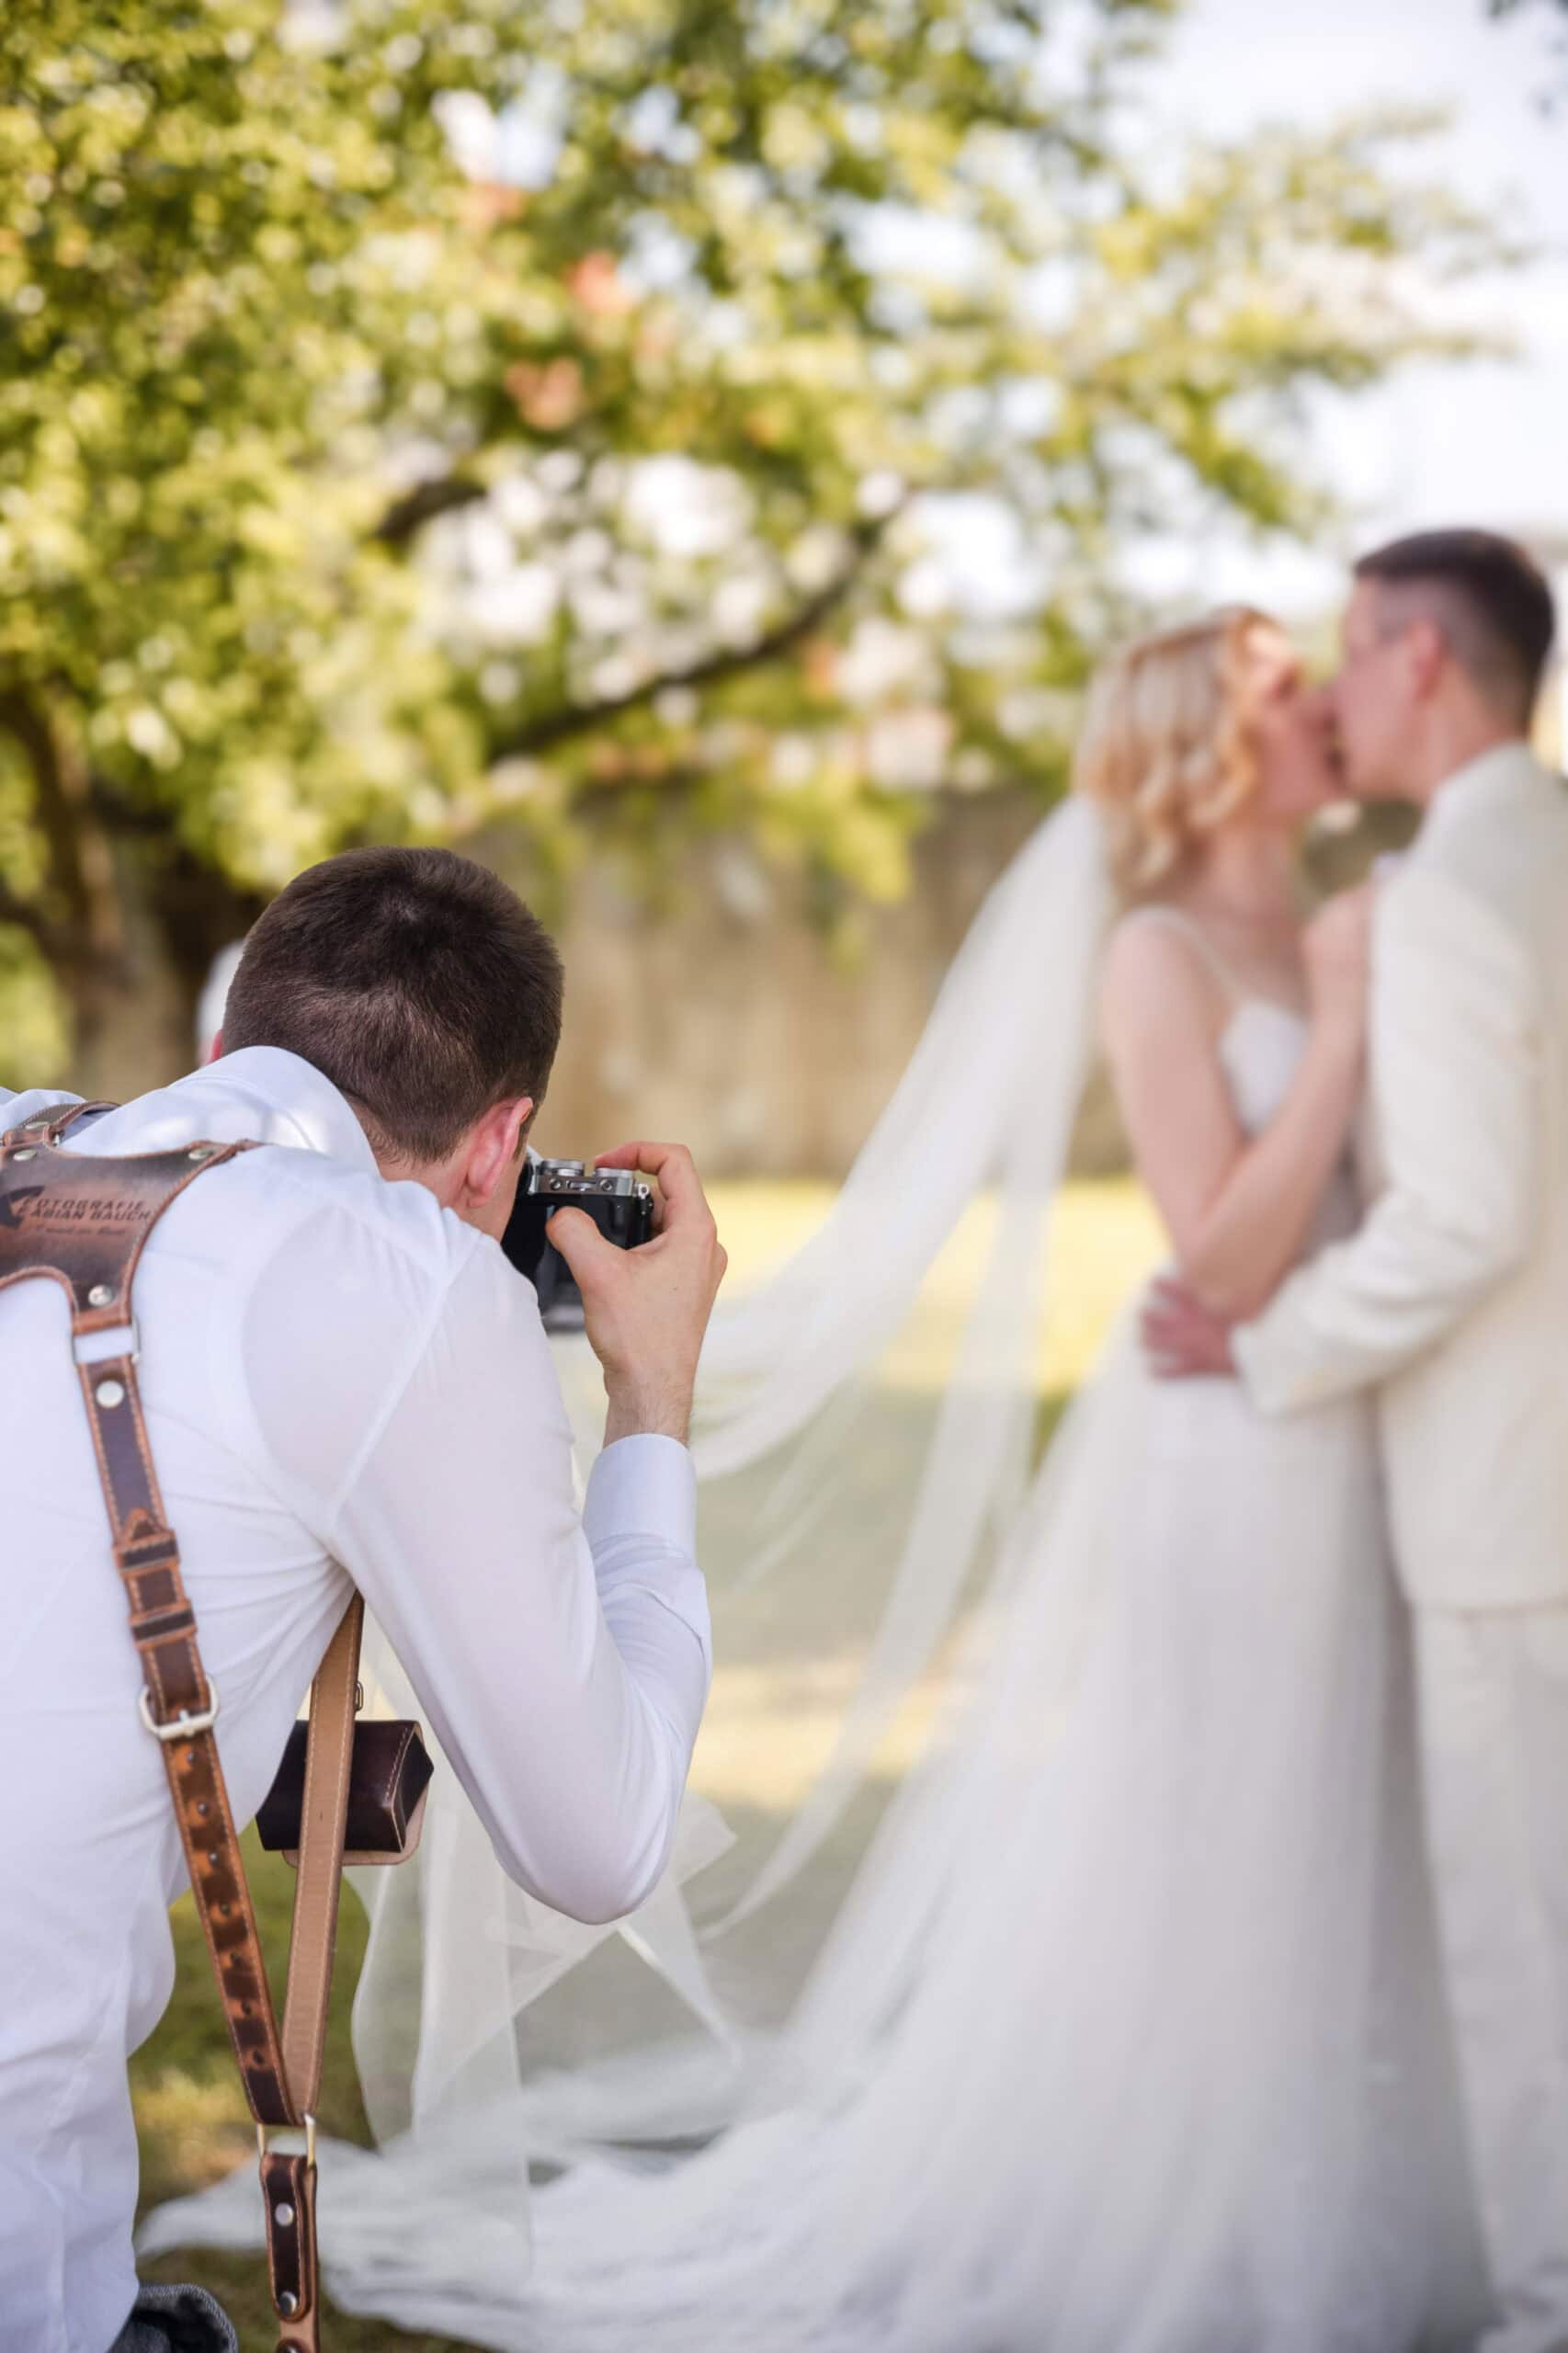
{"x":177,"y":912}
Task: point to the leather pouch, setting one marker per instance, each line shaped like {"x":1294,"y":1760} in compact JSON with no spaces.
{"x":389,"y":1774}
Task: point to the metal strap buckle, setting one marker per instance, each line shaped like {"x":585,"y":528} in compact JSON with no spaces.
{"x":262,"y":2130}
{"x":184,"y":1725}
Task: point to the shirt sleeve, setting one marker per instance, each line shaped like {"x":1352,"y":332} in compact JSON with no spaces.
{"x":563,"y":1662}
{"x":1456,"y":1074}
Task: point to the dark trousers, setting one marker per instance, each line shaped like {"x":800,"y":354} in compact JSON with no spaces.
{"x":177,"y":2320}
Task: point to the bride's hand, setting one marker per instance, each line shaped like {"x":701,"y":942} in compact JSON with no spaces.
{"x":1337,"y":947}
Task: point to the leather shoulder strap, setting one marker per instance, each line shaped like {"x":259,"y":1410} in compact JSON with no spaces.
{"x":82,"y":1220}
{"x":328,"y":1755}
{"x":49,"y":1125}
{"x":83,"y":1217}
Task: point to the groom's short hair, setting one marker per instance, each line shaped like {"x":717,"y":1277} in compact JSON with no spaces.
{"x":416,"y":979}
{"x":1491,"y":602}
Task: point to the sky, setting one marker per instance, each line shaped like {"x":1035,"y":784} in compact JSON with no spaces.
{"x":1485,"y":443}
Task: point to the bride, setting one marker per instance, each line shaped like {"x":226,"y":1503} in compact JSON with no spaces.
{"x":1127,"y":2038}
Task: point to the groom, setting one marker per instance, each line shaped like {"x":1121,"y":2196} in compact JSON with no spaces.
{"x":1452,"y":1300}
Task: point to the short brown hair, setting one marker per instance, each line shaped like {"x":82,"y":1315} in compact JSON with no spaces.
{"x":416,"y":979}
{"x":1491,"y":602}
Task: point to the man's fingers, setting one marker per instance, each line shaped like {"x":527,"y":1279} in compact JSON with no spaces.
{"x":1158,"y":1326}
{"x":580,"y":1243}
{"x":1162,"y":1323}
{"x":649,"y":1156}
{"x":673,"y":1166}
{"x":1179,"y":1334}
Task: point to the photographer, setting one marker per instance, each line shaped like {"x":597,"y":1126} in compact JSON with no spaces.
{"x":343,"y":1379}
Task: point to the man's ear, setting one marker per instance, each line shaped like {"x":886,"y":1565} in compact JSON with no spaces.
{"x":1427,"y":650}
{"x":495,"y":1147}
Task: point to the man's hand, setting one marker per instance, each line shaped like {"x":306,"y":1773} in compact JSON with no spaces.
{"x":1182,"y":1338}
{"x":646,"y":1309}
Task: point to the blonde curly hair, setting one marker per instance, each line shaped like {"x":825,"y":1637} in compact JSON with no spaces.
{"x":1164,"y":750}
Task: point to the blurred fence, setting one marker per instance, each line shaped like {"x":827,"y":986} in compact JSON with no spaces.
{"x":719,"y":1016}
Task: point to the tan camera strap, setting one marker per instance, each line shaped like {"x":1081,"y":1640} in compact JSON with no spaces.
{"x":82,"y":1220}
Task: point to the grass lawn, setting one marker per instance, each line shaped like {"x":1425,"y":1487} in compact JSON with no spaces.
{"x":773,"y":1702}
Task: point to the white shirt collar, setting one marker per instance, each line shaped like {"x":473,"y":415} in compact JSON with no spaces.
{"x":295,"y":1096}
{"x":261,"y":1093}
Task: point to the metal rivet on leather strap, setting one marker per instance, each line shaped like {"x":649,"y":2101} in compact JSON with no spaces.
{"x":27,"y":1152}
{"x":109,"y":1393}
{"x":100,"y":1295}
{"x":283,"y":2214}
{"x":204,"y":1152}
{"x":287,"y":2302}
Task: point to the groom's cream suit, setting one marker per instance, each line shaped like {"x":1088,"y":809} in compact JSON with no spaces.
{"x":1453,"y":1299}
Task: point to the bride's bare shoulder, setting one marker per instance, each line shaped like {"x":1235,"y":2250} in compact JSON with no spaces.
{"x":1156,"y":980}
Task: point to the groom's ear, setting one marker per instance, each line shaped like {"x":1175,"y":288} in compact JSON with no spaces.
{"x":1426,"y":653}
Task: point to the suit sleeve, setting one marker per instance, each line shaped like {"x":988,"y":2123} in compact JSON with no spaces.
{"x":1456,"y":1062}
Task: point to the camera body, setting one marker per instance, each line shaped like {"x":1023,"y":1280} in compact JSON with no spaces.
{"x":618,"y":1201}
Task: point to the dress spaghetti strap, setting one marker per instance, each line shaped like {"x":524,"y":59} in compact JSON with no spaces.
{"x":1177,"y":919}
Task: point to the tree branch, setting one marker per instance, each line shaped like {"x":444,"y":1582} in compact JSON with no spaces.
{"x":408,"y":515}
{"x":123,"y":818}
{"x":555,"y":727}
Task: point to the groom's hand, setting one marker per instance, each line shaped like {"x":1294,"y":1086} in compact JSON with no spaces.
{"x":646,"y":1309}
{"x":1184,"y":1340}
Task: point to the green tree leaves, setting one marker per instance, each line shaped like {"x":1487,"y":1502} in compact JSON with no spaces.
{"x":414,"y":415}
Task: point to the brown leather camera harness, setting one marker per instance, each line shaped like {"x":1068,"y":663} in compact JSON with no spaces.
{"x":82,"y":1220}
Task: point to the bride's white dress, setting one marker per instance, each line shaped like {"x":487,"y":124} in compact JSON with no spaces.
{"x":1131,"y":2040}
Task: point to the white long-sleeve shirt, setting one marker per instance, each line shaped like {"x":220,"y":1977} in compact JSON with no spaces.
{"x":335,"y":1371}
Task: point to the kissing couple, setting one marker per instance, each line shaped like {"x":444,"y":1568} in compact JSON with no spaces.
{"x":1205,"y":1987}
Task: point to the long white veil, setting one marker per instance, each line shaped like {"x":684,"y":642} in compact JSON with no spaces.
{"x":864,"y":1454}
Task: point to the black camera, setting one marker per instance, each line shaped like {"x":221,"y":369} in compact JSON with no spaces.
{"x":618,"y":1201}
